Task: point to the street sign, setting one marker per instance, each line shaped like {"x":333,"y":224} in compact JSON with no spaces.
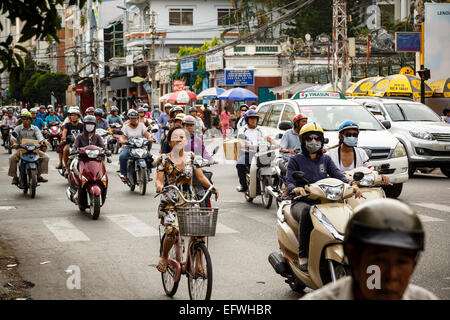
{"x":79,"y":89}
{"x":407,"y":41}
{"x":239,"y":77}
{"x":186,"y":66}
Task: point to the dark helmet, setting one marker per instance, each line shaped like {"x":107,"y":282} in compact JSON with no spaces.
{"x":175,"y":109}
{"x":98,"y":112}
{"x":251,"y":114}
{"x":385,"y":222}
{"x":89,"y":119}
{"x":191,"y":109}
{"x":243,"y":106}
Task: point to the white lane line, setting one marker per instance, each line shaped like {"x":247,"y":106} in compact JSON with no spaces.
{"x":221,"y":228}
{"x":439,"y":207}
{"x":65,"y":231}
{"x":7,"y":208}
{"x":425,"y":218}
{"x":133,"y":225}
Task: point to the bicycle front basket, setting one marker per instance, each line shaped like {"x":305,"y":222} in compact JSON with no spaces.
{"x":197,"y":222}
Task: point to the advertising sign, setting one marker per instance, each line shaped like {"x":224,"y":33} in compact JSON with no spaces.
{"x":239,"y":77}
{"x":147,"y":87}
{"x":186,"y":66}
{"x":178,"y":85}
{"x":214,"y":61}
{"x":220,"y":79}
{"x":407,"y":41}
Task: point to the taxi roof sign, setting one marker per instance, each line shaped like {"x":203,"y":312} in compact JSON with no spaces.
{"x":325,"y":94}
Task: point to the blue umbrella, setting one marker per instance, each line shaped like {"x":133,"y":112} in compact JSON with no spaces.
{"x":211,"y":93}
{"x":238,"y":94}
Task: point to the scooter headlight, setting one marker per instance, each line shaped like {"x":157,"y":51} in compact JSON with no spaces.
{"x":138,"y":152}
{"x":31,"y":148}
{"x":92,"y":153}
{"x":139,"y":143}
{"x":368,"y":180}
{"x":333,"y":193}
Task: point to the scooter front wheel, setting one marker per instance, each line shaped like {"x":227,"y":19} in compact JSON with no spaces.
{"x":265,"y":196}
{"x":32,"y":178}
{"x":94,"y":204}
{"x":142,"y":178}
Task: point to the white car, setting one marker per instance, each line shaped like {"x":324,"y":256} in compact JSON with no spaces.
{"x":330,"y":109}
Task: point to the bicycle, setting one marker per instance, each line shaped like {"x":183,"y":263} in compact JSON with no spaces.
{"x":196,"y":223}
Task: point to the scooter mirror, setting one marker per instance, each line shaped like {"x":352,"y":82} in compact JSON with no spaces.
{"x":326,"y":140}
{"x":14,"y":134}
{"x":279,"y":136}
{"x":285,"y":125}
{"x":299,"y":177}
{"x":215,"y":150}
{"x":154,"y":130}
{"x":108,"y":153}
{"x":357,"y":176}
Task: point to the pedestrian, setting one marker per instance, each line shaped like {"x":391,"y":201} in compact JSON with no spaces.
{"x":225,"y":122}
{"x":207,"y":116}
{"x":382,"y":242}
{"x":446,"y":114}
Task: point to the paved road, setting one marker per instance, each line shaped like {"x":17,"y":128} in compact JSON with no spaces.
{"x":116,"y":254}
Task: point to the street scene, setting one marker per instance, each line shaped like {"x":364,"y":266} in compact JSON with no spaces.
{"x":225,"y":150}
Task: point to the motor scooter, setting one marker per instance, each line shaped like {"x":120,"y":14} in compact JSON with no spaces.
{"x":88,"y":180}
{"x":54,"y":135}
{"x":369,"y":185}
{"x":114,"y":144}
{"x":199,"y":189}
{"x":329,"y":218}
{"x":138,"y":163}
{"x":7,"y":130}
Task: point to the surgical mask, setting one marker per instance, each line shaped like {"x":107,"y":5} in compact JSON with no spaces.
{"x":90,"y":127}
{"x":350,"y":141}
{"x":313,"y":146}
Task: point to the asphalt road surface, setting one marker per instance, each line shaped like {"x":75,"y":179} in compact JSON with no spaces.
{"x":116,"y":255}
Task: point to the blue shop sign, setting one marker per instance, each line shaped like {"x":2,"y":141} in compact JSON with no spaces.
{"x":186,"y":66}
{"x":239,"y":77}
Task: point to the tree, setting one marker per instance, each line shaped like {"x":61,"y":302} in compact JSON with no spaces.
{"x":41,"y":86}
{"x":41,"y":21}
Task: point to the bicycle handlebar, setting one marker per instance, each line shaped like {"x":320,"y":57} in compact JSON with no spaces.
{"x":181,"y":195}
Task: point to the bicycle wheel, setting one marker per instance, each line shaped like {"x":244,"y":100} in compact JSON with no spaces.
{"x":168,"y":277}
{"x":200,"y":276}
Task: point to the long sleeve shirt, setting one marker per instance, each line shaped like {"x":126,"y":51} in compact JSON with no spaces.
{"x":50,"y":119}
{"x":84,"y":140}
{"x":196,"y":145}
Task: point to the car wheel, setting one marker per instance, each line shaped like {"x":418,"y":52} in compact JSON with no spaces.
{"x":393,"y":191}
{"x":411,"y":169}
{"x":446,"y":171}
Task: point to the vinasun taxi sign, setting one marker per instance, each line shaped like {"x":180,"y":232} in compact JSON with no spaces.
{"x":320,"y":95}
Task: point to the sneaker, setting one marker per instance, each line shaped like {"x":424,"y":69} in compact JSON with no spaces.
{"x":41,"y":179}
{"x":241,"y":189}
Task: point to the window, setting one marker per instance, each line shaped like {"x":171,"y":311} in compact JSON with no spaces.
{"x":239,"y":49}
{"x":288,"y":113}
{"x":411,"y":112}
{"x":174,"y":50}
{"x":260,"y":49}
{"x":275,"y":116}
{"x":181,"y":17}
{"x":262,"y":112}
{"x":225,"y":17}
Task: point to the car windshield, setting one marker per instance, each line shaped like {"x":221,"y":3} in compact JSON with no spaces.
{"x":411,"y":112}
{"x":330,"y":117}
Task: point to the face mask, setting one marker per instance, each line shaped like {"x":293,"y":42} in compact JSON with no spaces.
{"x":90,"y":127}
{"x":313,"y":146}
{"x":350,"y":141}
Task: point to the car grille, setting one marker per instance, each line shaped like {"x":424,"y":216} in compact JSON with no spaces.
{"x":445,"y":137}
{"x":380,"y":153}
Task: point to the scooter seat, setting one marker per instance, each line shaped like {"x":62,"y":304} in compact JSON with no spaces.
{"x":292,"y":223}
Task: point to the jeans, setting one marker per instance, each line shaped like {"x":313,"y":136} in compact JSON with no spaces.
{"x":242,"y":167}
{"x":123,"y":160}
{"x":300,"y":212}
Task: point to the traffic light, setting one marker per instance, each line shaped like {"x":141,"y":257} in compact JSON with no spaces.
{"x":424,"y":74}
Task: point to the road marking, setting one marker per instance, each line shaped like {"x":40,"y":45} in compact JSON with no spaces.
{"x":65,"y":231}
{"x":425,"y":218}
{"x":439,"y":207}
{"x":133,"y":225}
{"x":221,"y":228}
{"x":7,"y":208}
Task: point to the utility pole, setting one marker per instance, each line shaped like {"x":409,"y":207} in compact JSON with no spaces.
{"x":340,"y":45}
{"x":152,"y":64}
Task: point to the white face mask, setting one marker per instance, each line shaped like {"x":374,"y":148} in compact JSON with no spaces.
{"x":90,"y":127}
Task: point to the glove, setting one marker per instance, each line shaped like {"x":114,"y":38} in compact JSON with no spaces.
{"x":299,"y":191}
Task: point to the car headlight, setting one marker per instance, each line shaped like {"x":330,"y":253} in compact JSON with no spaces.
{"x":399,"y":151}
{"x":333,"y":193}
{"x":92,"y":153}
{"x":422,"y":135}
{"x":368,"y":180}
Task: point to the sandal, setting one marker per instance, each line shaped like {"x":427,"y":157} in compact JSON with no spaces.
{"x":162,"y":265}
{"x":200,"y":273}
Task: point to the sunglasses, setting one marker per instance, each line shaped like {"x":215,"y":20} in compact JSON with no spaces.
{"x":311,"y":138}
{"x":355,"y":135}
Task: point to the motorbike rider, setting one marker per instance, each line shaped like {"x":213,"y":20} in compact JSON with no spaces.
{"x":9,"y":121}
{"x":195,"y":144}
{"x":3,"y":114}
{"x":162,"y":121}
{"x":72,"y":128}
{"x":291,"y":140}
{"x":316,"y":166}
{"x":101,"y":123}
{"x":240,"y":122}
{"x":387,"y":234}
{"x":199,"y":125}
{"x":176,"y":168}
{"x":52,"y":117}
{"x":142,"y":118}
{"x":114,"y":116}
{"x":347,"y":155}
{"x":42,"y":113}
{"x":176,"y":122}
{"x":132,"y":129}
{"x":27,"y":131}
{"x":89,"y":111}
{"x":35,"y":121}
{"x":250,"y":138}
{"x":155,"y":113}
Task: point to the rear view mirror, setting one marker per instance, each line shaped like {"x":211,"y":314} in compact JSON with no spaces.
{"x":215,"y":150}
{"x":285,"y":125}
{"x":14,"y":134}
{"x":357,"y":176}
{"x":279,"y":136}
{"x":386,"y":124}
{"x":299,"y":177}
{"x":326,"y":140}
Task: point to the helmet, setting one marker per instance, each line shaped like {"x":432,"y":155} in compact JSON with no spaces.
{"x":98,"y":112}
{"x":349,"y":124}
{"x":132,"y":114}
{"x":114,"y":108}
{"x":49,"y":107}
{"x":192,"y":109}
{"x":90,"y":109}
{"x":73,"y":110}
{"x":167,"y":105}
{"x":25,"y":113}
{"x":253,"y":106}
{"x":385,"y":222}
{"x":10,"y":110}
{"x":299,"y":117}
{"x":145,"y":105}
{"x":34,"y":110}
{"x":251,"y":114}
{"x":175,"y":109}
{"x":188,"y":119}
{"x":140,"y":109}
{"x":242,"y":106}
{"x":180,"y":116}
{"x":89,"y":119}
{"x":312,"y":127}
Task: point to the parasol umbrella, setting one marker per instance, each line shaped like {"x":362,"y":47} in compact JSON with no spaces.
{"x":399,"y":85}
{"x":362,"y":87}
{"x":326,"y":87}
{"x":441,"y":87}
{"x":211,"y":93}
{"x":165,"y":97}
{"x":182,"y":97}
{"x":238,"y":94}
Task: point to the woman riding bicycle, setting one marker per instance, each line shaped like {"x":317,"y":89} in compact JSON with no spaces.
{"x":176,"y":168}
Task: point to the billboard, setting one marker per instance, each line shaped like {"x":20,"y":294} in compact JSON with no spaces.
{"x":186,"y":66}
{"x":407,"y":41}
{"x":214,"y":61}
{"x":437,"y":40}
{"x":239,"y":77}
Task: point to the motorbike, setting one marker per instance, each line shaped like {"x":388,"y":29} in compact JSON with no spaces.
{"x":261,"y":175}
{"x":370,"y":186}
{"x":199,"y":189}
{"x":138,"y":164}
{"x":70,"y":139}
{"x":105,"y":135}
{"x":29,"y":166}
{"x":88,"y":179}
{"x":54,"y":135}
{"x":8,"y":144}
{"x":114,"y":144}
{"x":329,"y":218}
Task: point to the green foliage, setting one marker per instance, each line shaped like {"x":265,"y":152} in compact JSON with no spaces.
{"x":39,"y":87}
